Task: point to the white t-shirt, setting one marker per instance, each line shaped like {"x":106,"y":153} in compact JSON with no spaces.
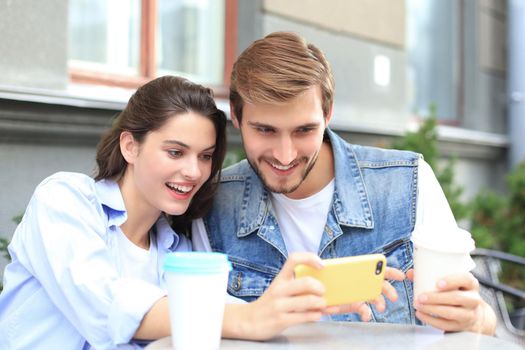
{"x":135,"y":262}
{"x":302,"y":231}
{"x":302,"y":221}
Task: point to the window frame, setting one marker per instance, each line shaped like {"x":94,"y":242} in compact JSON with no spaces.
{"x":147,"y":67}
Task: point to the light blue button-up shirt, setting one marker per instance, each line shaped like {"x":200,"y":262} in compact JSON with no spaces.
{"x":63,"y":289}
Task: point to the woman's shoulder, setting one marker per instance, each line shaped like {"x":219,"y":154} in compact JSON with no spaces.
{"x":66,"y":186}
{"x":68,"y":176}
{"x":65,"y":179}
{"x":64,"y":198}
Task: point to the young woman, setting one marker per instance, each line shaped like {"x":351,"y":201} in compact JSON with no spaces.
{"x":87,"y":256}
{"x":86,"y":268}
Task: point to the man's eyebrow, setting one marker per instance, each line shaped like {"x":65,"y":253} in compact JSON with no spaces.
{"x":258,"y":124}
{"x":182,"y":144}
{"x":308,"y":125}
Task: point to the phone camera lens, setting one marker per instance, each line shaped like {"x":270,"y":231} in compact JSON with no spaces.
{"x":379,"y":267}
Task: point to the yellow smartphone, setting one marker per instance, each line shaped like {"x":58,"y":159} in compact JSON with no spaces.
{"x":349,"y":279}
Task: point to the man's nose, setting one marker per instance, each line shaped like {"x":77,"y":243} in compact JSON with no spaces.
{"x":285,"y":151}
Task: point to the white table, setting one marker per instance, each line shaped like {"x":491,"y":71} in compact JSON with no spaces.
{"x":373,"y":336}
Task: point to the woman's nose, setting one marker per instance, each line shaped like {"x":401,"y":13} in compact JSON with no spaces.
{"x":191,"y":169}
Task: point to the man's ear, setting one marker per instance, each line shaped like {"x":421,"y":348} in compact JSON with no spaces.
{"x":233,"y":117}
{"x":329,"y":115}
{"x":128,"y":147}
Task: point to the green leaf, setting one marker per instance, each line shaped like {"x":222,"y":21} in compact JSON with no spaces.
{"x":425,"y":141}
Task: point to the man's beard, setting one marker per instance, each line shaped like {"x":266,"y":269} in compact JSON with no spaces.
{"x":281,"y":189}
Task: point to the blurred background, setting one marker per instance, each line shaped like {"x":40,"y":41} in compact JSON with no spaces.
{"x":442,"y":77}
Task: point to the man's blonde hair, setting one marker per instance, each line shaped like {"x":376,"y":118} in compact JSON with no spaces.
{"x":278,"y":68}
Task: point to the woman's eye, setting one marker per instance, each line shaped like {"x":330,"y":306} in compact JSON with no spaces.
{"x":174,"y":153}
{"x":207,"y":157}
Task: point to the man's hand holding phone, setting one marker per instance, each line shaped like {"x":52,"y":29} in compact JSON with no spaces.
{"x":351,"y":282}
{"x":290,"y":300}
{"x":362,"y":308}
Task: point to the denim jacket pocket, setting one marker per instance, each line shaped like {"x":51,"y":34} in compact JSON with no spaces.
{"x":247,"y":280}
{"x":398,"y":255}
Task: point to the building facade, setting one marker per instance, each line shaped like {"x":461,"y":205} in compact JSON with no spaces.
{"x":391,"y":60}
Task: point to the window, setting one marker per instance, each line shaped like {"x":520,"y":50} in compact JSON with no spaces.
{"x":129,"y":42}
{"x":435,"y":57}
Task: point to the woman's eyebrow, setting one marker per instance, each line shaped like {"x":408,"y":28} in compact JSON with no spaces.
{"x":175,"y":142}
{"x":182,"y":144}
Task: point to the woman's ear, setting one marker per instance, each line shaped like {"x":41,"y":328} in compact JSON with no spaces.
{"x":128,"y":147}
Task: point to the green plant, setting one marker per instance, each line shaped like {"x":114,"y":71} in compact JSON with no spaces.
{"x":424,"y":141}
{"x":4,"y":242}
{"x":498,"y":222}
{"x":234,"y":155}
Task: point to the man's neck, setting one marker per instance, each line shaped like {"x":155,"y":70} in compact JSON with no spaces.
{"x":320,"y":175}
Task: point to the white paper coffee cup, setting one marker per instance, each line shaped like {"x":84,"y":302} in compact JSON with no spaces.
{"x":196,"y":283}
{"x":440,"y":254}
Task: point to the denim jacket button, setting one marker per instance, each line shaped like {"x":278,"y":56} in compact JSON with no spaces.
{"x":237,"y":284}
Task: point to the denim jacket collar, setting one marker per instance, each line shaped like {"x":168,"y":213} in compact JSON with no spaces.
{"x":350,"y":203}
{"x":256,"y":203}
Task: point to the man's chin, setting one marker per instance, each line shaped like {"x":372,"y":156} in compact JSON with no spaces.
{"x":281,"y":188}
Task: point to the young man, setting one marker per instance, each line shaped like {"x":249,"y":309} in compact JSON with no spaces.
{"x":303,"y":188}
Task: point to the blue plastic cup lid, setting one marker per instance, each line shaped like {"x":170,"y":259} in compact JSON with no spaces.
{"x":197,"y":262}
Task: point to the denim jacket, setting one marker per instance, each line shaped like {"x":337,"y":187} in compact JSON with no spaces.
{"x":373,"y":210}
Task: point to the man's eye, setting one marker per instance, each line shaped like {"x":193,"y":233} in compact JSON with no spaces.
{"x":264,"y":130}
{"x":304,"y":130}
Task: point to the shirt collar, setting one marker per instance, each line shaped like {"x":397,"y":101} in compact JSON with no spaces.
{"x":166,"y":236}
{"x":108,"y":191}
{"x":111,"y":199}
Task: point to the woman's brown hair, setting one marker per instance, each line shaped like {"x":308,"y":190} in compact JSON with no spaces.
{"x":150,"y":107}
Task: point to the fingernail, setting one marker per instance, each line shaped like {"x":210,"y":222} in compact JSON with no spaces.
{"x":441,"y":284}
{"x":422,"y":298}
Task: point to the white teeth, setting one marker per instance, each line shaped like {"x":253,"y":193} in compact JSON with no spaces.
{"x":180,"y":188}
{"x":282,"y":167}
